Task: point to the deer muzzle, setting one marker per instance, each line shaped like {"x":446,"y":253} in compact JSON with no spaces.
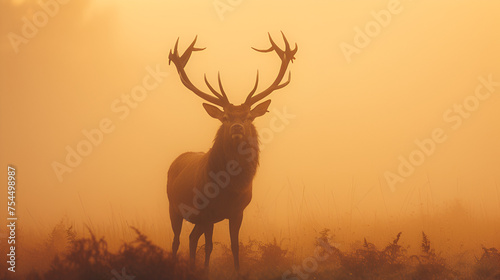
{"x":237,"y":131}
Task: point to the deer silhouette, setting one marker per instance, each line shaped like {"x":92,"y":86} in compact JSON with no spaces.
{"x":206,"y":188}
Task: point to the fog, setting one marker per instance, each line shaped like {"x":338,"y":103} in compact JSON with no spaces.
{"x":386,"y":126}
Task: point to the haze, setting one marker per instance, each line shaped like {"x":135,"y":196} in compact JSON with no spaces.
{"x":350,"y":116}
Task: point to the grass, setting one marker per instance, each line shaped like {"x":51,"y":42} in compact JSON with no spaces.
{"x":67,"y":256}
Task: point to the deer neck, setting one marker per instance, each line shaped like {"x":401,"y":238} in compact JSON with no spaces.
{"x":225,"y":152}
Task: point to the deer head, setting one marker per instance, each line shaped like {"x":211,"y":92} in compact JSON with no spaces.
{"x":236,"y":119}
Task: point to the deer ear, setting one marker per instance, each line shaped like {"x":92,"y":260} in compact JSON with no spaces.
{"x":260,"y":109}
{"x":213,"y":111}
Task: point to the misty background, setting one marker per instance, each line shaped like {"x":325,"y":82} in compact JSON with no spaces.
{"x":354,"y":116}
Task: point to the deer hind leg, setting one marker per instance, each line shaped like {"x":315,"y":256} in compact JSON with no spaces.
{"x":198,"y":230}
{"x":176,"y":221}
{"x":209,"y":230}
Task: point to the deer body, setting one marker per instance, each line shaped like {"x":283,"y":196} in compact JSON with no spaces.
{"x":220,"y":196}
{"x":206,"y":188}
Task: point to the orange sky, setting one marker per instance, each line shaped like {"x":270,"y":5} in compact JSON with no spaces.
{"x":355,"y":112}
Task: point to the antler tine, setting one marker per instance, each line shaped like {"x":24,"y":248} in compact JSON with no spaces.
{"x":174,"y":53}
{"x":279,"y":86}
{"x":287,"y":45}
{"x":273,"y":45}
{"x":287,"y":55}
{"x":254,"y":88}
{"x":181,"y":61}
{"x":287,"y":81}
{"x":216,"y":93}
{"x":220,"y":86}
{"x":187,"y":54}
{"x":221,"y":95}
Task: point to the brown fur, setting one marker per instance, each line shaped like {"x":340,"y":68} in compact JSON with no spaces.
{"x":191,"y":170}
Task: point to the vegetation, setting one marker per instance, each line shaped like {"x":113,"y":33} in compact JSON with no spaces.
{"x":69,"y":257}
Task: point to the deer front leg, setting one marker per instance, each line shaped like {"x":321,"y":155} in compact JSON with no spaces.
{"x":234,"y":230}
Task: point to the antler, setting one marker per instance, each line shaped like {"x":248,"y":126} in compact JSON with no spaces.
{"x":286,"y":56}
{"x":181,"y":61}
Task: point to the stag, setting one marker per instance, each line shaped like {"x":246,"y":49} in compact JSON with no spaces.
{"x":206,"y":188}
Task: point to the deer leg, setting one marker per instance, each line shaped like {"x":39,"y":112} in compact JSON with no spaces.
{"x":176,"y":221}
{"x":209,"y":229}
{"x":193,"y":243}
{"x":234,"y":230}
